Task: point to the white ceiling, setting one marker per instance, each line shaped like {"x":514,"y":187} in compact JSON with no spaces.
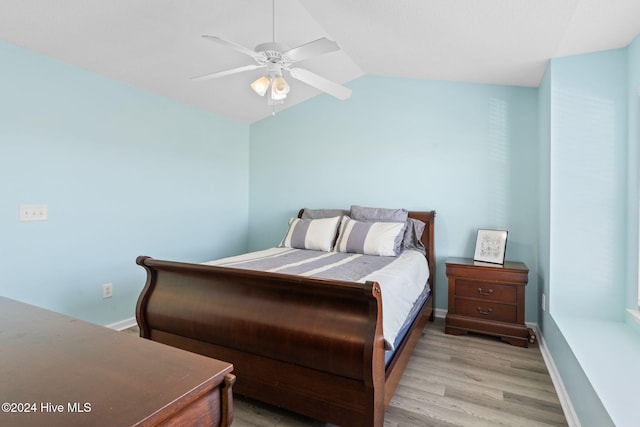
{"x":156,"y":44}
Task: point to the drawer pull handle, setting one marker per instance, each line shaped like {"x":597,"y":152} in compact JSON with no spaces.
{"x":485,"y":313}
{"x":481,"y":292}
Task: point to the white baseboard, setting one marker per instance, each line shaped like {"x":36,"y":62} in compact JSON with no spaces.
{"x":123,"y":324}
{"x":563,"y":396}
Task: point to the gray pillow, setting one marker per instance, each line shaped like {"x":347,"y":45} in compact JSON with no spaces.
{"x":412,"y":234}
{"x":360,"y":213}
{"x":322,"y":213}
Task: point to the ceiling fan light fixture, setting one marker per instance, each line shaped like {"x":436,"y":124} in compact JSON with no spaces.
{"x":279,"y":88}
{"x":260,"y":85}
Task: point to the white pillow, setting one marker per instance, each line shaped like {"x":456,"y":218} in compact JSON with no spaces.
{"x":314,"y":234}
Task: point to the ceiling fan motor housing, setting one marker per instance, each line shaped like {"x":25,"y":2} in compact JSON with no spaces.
{"x":273,"y":52}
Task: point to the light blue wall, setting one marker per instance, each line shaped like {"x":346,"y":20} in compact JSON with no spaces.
{"x":544,"y":191}
{"x":633,"y":165}
{"x":588,"y":184}
{"x":589,"y":150}
{"x":469,"y":151}
{"x":124,"y":173}
{"x":584,"y":399}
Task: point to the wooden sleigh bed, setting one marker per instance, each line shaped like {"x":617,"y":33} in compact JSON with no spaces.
{"x":312,"y":346}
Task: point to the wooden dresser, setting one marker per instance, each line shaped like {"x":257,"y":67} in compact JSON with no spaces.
{"x":487,"y":298}
{"x":60,"y":371}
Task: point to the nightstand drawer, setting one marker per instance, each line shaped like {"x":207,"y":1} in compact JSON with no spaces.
{"x":486,"y":310}
{"x":486,"y":290}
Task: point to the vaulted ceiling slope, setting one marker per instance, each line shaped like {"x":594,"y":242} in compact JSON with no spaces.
{"x":157,"y":45}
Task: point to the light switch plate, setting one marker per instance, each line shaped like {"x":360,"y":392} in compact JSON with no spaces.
{"x":34,"y":212}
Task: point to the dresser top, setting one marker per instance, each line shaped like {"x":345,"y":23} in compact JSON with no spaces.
{"x":60,"y":364}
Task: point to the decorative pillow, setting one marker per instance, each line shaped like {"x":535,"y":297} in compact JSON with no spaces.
{"x":360,"y":213}
{"x":369,"y":238}
{"x":314,"y":234}
{"x":323,"y":213}
{"x":413,"y":234}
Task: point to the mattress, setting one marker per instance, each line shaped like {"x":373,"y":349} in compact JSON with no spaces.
{"x":402,"y":279}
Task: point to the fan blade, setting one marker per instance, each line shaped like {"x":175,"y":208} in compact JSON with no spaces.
{"x":312,"y":79}
{"x":314,"y":48}
{"x":252,"y":53}
{"x":228,"y":72}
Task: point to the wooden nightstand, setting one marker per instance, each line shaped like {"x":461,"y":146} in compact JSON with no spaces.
{"x":487,"y":298}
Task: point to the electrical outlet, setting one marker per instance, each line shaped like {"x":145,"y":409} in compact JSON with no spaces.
{"x":107,"y":290}
{"x":543,"y":303}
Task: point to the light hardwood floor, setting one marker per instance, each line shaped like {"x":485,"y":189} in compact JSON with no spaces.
{"x":468,"y":380}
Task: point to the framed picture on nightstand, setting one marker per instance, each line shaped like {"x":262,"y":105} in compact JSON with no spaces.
{"x":491,"y":246}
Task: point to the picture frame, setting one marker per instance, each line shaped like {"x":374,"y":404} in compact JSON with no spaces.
{"x":491,"y":246}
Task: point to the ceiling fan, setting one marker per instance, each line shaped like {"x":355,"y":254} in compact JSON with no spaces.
{"x":277,"y":58}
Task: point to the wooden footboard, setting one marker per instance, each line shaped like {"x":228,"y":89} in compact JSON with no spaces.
{"x":310,"y":345}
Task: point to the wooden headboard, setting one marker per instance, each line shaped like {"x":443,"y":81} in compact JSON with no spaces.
{"x":428,"y":217}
